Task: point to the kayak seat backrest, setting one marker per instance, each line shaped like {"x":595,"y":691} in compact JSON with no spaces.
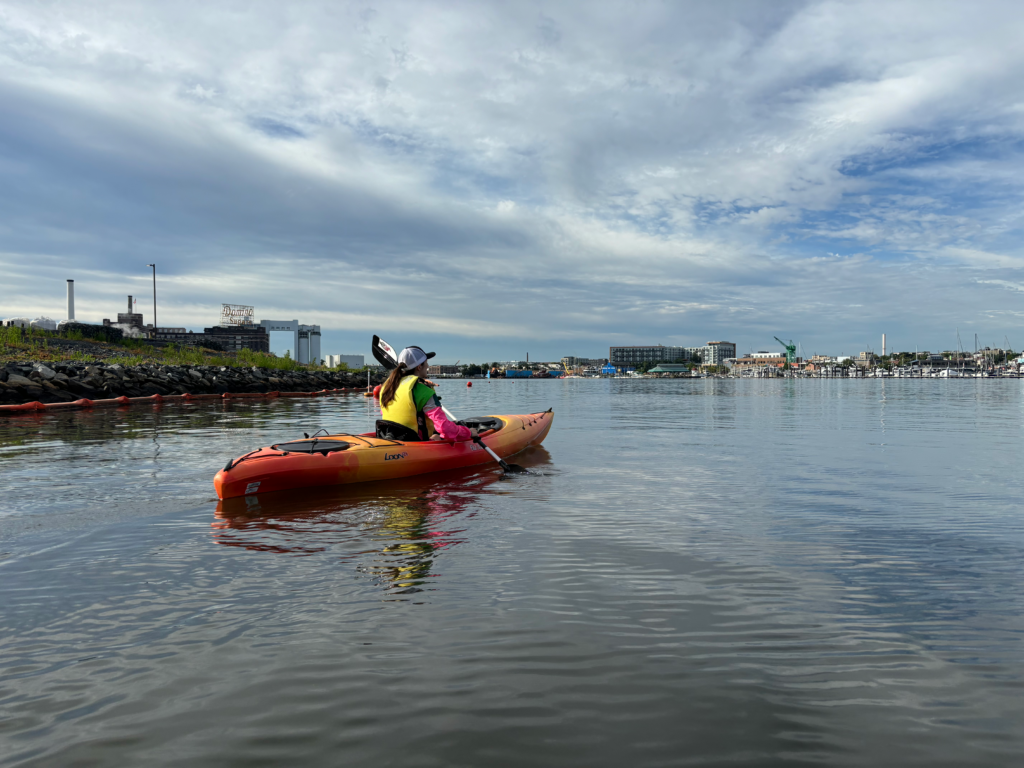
{"x":390,"y":430}
{"x":482,"y":423}
{"x":313,"y":446}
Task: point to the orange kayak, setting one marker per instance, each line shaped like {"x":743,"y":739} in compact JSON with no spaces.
{"x":342,"y":459}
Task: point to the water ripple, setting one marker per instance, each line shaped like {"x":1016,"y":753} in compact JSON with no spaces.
{"x":695,"y":572}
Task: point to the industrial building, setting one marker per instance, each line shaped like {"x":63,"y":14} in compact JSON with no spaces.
{"x":238,"y":330}
{"x":307,"y":338}
{"x":354,"y":362}
{"x":130,"y":319}
{"x":230,"y":339}
{"x":234,"y":338}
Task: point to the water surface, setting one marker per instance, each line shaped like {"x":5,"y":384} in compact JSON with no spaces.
{"x":696,"y":572}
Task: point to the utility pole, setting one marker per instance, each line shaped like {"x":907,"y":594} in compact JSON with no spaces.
{"x":154,"y":295}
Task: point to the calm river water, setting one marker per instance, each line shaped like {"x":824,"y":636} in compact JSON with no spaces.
{"x":696,"y":572}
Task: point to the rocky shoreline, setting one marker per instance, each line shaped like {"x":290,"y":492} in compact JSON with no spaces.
{"x":57,"y":382}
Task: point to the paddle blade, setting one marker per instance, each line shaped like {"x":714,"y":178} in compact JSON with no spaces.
{"x":384,"y":353}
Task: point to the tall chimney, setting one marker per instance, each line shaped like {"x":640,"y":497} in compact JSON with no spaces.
{"x":71,"y":300}
{"x":129,"y":305}
{"x":883,"y":345}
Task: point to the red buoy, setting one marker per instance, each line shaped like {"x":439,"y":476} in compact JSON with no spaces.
{"x":469,"y":383}
{"x":376,"y":391}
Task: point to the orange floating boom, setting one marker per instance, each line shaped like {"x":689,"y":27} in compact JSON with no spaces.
{"x":86,"y":403}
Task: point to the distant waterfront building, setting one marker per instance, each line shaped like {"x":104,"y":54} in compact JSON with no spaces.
{"x":758,"y":360}
{"x":717,"y":352}
{"x":232,"y":338}
{"x":583,"y":362}
{"x":44,"y":323}
{"x":354,"y":362}
{"x":130,"y":318}
{"x":306,"y":338}
{"x":633,"y":356}
{"x":180,"y":335}
{"x":864,"y":359}
{"x":712,"y":353}
{"x":443,"y":370}
{"x":228,"y":338}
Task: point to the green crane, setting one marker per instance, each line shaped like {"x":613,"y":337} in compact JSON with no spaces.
{"x":790,"y":351}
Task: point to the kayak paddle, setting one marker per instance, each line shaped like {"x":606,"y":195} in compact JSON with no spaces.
{"x":506,"y":467}
{"x":385,"y":355}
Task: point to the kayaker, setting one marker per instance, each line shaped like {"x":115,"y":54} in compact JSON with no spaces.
{"x":410,"y":409}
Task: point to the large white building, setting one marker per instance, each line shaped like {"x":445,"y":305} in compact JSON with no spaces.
{"x":354,"y":362}
{"x":307,"y":338}
{"x":717,"y":352}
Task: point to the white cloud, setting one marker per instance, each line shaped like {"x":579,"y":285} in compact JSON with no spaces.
{"x":700,"y":160}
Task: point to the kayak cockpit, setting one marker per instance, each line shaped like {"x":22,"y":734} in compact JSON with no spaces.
{"x":390,"y":431}
{"x":482,"y":423}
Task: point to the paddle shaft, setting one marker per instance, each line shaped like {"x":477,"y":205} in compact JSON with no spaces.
{"x":496,"y":457}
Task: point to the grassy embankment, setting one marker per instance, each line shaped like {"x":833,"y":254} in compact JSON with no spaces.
{"x":43,"y":346}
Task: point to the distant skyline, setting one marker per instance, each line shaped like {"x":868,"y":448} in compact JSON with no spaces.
{"x":491,"y":179}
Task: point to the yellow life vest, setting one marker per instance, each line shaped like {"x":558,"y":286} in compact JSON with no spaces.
{"x":402,"y":410}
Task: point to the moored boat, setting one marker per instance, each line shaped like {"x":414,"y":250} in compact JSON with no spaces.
{"x":343,"y":458}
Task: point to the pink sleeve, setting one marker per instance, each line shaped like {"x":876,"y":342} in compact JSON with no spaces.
{"x":448,"y":430}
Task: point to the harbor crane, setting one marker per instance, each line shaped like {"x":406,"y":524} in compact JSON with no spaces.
{"x":790,"y":351}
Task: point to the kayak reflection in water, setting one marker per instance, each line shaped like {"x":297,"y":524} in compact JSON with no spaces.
{"x":392,"y":530}
{"x":415,"y":532}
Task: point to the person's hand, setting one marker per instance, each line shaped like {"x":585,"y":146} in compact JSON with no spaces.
{"x":429,"y":383}
{"x":436,"y":436}
{"x":474,"y":431}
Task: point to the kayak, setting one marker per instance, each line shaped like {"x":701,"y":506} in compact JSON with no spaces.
{"x":343,"y":458}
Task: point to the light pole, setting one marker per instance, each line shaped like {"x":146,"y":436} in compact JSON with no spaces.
{"x":154,"y":295}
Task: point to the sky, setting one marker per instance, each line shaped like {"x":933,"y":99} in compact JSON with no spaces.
{"x":492,"y":179}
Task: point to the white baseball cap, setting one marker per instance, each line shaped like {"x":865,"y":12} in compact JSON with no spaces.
{"x":414,"y":357}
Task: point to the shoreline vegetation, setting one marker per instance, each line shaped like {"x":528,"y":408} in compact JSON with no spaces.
{"x":48,"y":367}
{"x":30,"y":345}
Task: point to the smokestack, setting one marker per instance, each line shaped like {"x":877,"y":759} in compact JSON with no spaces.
{"x":129,"y":305}
{"x":71,"y":300}
{"x":883,"y":345}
